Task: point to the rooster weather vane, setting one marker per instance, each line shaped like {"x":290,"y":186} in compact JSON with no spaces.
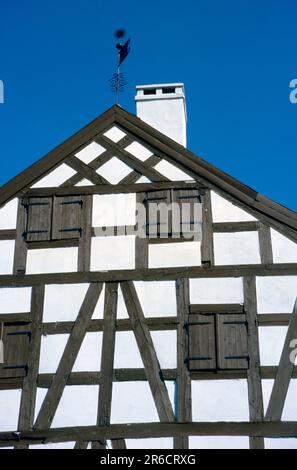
{"x":118,"y":81}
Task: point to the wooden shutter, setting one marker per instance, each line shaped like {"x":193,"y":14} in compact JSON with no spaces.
{"x":67,"y":217}
{"x":188,"y":218}
{"x":39,"y":216}
{"x":232,"y":341}
{"x":16,"y":339}
{"x":158,"y":226}
{"x":201,"y":342}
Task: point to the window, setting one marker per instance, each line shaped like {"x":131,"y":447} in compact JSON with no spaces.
{"x":53,"y":218}
{"x":217,"y":341}
{"x":173,"y":212}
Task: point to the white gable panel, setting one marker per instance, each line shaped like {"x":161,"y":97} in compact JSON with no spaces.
{"x":132,"y":402}
{"x":90,"y":152}
{"x":143,"y":179}
{"x":113,"y":210}
{"x":126,"y":351}
{"x":271,"y":343}
{"x":8,"y":215}
{"x":112,"y":253}
{"x":89,"y":355}
{"x":157,"y":298}
{"x":283,"y":249}
{"x":115,"y":134}
{"x":6,"y":256}
{"x":220,"y":400}
{"x":62,"y":302}
{"x":77,"y":407}
{"x":165,"y":347}
{"x":171,"y":172}
{"x":114,"y":170}
{"x":216,"y":291}
{"x":15,"y":299}
{"x":225,"y":211}
{"x":55,"y":177}
{"x":236,"y":248}
{"x":139,"y":151}
{"x":84,"y":182}
{"x":174,"y":254}
{"x":52,"y":260}
{"x":218,"y":442}
{"x":276,"y":294}
{"x":9,"y":409}
{"x":52,"y":348}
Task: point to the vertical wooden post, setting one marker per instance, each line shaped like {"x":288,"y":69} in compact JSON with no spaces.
{"x":28,"y":398}
{"x":141,"y":243}
{"x":253,"y":373}
{"x":207,"y":247}
{"x":84,"y":248}
{"x":20,"y":251}
{"x":265,"y":243}
{"x":183,"y":379}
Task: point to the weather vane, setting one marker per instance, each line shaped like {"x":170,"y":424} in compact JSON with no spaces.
{"x":118,"y":81}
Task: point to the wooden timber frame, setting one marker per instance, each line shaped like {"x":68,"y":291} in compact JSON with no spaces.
{"x":175,"y":419}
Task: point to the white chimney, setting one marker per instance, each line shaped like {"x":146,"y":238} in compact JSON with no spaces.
{"x":163,"y":106}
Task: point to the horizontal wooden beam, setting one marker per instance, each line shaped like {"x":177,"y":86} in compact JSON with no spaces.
{"x":112,"y":189}
{"x":155,"y":324}
{"x":274,"y":319}
{"x":216,"y":308}
{"x":223,"y":227}
{"x":150,"y":430}
{"x":154,"y":274}
{"x":9,"y":234}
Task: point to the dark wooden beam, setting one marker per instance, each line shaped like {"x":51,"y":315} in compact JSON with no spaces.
{"x":85,"y":170}
{"x":84,"y":247}
{"x":227,"y":227}
{"x":152,"y":274}
{"x":265,"y":243}
{"x":28,"y":397}
{"x":183,"y":379}
{"x":53,"y":396}
{"x":216,"y":308}
{"x":148,"y":353}
{"x":135,"y":175}
{"x":274,"y":319}
{"x":8,"y":234}
{"x":20,"y":249}
{"x":151,"y":430}
{"x":255,"y":395}
{"x":141,"y":242}
{"x":207,"y":247}
{"x":94,"y":164}
{"x":284,"y":373}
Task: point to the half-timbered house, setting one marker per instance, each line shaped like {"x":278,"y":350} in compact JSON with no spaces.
{"x":183,"y":339}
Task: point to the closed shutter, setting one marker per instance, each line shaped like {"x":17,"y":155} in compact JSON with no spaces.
{"x":232,"y":341}
{"x":16,"y":339}
{"x":158,"y":214}
{"x":188,"y":218}
{"x":201,"y":342}
{"x":39,"y":215}
{"x":67,"y":217}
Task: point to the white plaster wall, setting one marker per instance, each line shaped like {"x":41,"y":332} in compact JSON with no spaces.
{"x":276,"y":294}
{"x":114,"y":170}
{"x":84,"y":182}
{"x":90,"y":152}
{"x":225,"y":211}
{"x":6,"y":256}
{"x":290,"y":408}
{"x":174,"y":254}
{"x":157,"y":298}
{"x":113,"y":209}
{"x":52,"y":260}
{"x":218,"y":442}
{"x":109,"y":253}
{"x":55,"y":177}
{"x":165,"y":347}
{"x":236,"y":248}
{"x":56,"y":445}
{"x":9,"y":409}
{"x":162,"y":443}
{"x":8,"y":215}
{"x":216,"y":291}
{"x":15,"y":299}
{"x":171,"y":171}
{"x":220,"y":400}
{"x":122,"y":310}
{"x":283,"y":443}
{"x":283,"y":249}
{"x":77,"y":407}
{"x":139,"y":151}
{"x":52,"y":348}
{"x":271,"y":342}
{"x":62,"y":302}
{"x":143,"y":179}
{"x":115,"y":134}
{"x":127,"y":354}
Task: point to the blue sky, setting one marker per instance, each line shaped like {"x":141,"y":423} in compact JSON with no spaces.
{"x":236,"y":59}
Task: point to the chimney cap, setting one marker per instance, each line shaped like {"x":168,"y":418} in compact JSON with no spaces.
{"x":161,"y":85}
